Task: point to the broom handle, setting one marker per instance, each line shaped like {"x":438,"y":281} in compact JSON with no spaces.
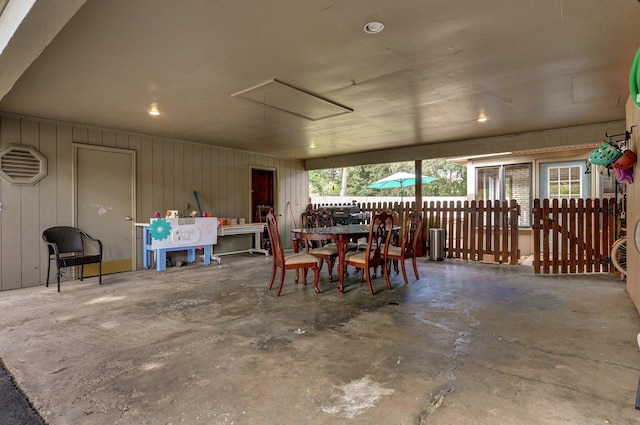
{"x":195,"y":195}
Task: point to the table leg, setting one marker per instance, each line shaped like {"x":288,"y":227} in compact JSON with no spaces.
{"x":341,"y":244}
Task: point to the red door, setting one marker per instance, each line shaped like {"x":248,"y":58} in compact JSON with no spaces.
{"x":262,"y":193}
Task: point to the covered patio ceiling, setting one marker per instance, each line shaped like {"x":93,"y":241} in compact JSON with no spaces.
{"x":302,"y":79}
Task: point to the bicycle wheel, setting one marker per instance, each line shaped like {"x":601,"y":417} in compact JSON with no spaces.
{"x":619,"y":255}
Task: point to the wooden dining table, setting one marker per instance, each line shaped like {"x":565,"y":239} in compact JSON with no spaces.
{"x":340,"y":234}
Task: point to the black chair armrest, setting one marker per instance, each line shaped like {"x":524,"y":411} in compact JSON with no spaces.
{"x":52,"y":249}
{"x":93,"y":242}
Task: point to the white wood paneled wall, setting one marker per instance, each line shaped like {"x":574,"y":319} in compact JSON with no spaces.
{"x":168,"y":172}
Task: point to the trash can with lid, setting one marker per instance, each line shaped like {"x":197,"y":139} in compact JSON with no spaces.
{"x":436,"y":244}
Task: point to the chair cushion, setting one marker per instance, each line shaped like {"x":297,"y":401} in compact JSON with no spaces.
{"x":358,"y":257}
{"x":396,"y":251}
{"x":350,"y":246}
{"x":324,"y":250}
{"x":300,"y":258}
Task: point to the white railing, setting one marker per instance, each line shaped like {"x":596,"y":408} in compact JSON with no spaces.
{"x":347,"y":200}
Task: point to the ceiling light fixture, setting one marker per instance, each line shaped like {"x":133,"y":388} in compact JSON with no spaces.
{"x":482,"y":119}
{"x":154,"y":109}
{"x":373,"y":27}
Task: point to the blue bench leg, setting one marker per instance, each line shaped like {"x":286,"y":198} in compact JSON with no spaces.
{"x":161,"y":260}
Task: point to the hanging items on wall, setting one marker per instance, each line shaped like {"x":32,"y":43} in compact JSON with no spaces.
{"x":605,"y":154}
{"x":626,"y":160}
{"x":614,"y":158}
{"x":634,"y":79}
{"x":624,"y":176}
{"x":623,"y":166}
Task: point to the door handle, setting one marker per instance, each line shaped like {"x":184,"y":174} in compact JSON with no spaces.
{"x":128,"y":218}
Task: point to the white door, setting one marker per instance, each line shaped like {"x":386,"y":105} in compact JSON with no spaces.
{"x":104,"y":182}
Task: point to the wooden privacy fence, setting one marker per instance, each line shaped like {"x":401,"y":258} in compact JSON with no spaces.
{"x":573,"y":236}
{"x":477,"y":230}
{"x":474,"y":230}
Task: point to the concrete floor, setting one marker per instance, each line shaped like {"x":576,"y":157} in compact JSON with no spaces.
{"x":468,"y":343}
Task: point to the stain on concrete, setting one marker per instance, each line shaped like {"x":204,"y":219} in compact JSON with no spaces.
{"x":355,"y":397}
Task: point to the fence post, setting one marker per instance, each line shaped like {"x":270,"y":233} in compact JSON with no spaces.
{"x":514,"y":213}
{"x":555,"y":237}
{"x":573,"y":240}
{"x":473,"y":229}
{"x":607,"y":233}
{"x":481,"y":226}
{"x":536,"y":225}
{"x":496,"y":231}
{"x":564,"y":243}
{"x":546,"y":228}
{"x":596,"y":234}
{"x":455,"y":216}
{"x":504,"y":213}
{"x":465,"y":230}
{"x":582,"y":256}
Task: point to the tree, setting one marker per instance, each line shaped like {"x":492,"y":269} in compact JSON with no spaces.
{"x":343,"y":185}
{"x":452,"y":179}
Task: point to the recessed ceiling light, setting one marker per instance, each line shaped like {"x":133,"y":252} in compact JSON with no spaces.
{"x":154,"y":109}
{"x":373,"y":27}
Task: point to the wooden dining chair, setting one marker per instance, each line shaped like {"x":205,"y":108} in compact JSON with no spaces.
{"x":326,"y":250}
{"x":300,"y":260}
{"x":373,"y":256}
{"x":394,"y":236}
{"x":325,"y":219}
{"x":362,"y":245}
{"x":396,"y":221}
{"x":408,"y":245}
{"x":308,"y":220}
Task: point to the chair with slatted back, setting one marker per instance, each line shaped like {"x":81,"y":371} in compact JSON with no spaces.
{"x":71,"y":247}
{"x":396,"y":221}
{"x":408,"y":245}
{"x":300,"y":260}
{"x":373,"y":256}
{"x":308,"y":220}
{"x":395,"y":236}
{"x":325,"y":251}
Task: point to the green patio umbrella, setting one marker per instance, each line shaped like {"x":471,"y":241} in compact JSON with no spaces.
{"x":401,"y":179}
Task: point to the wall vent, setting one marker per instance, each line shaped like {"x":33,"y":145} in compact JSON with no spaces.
{"x":22,"y":165}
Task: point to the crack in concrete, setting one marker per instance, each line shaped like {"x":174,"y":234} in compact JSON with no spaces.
{"x":438,"y":398}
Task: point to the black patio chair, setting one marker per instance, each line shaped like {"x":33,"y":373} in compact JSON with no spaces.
{"x":70,"y":247}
